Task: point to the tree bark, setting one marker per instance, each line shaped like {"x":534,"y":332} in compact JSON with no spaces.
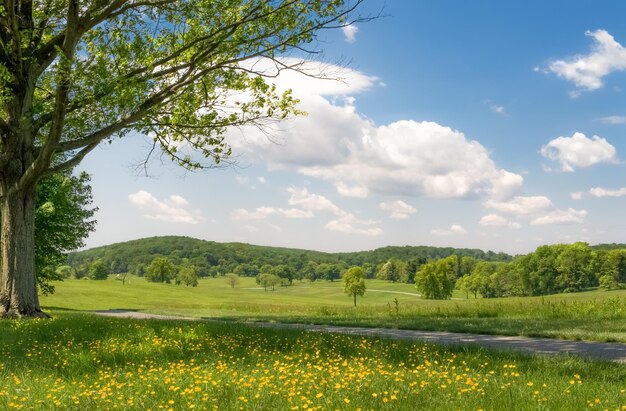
{"x":354,"y":299}
{"x":18,"y":284}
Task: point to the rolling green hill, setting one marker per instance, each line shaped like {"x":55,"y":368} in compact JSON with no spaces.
{"x":225,"y":257}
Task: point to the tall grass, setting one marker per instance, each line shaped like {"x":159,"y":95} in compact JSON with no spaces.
{"x":78,"y":362}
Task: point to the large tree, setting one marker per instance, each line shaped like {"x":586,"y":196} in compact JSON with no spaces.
{"x":74,"y":73}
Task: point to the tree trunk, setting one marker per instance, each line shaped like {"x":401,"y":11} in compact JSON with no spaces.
{"x":18,"y":285}
{"x":354,"y":299}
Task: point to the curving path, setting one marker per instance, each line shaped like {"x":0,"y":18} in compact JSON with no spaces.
{"x":615,"y":352}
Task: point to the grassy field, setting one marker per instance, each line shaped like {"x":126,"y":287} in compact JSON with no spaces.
{"x":81,"y":361}
{"x":594,"y":315}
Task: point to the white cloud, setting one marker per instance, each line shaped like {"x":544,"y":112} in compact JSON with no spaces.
{"x":172,"y":209}
{"x":307,"y":205}
{"x":579,"y":151}
{"x":262,"y":180}
{"x":521,"y":205}
{"x":398,"y":209}
{"x":454,"y":229}
{"x":350,"y":32}
{"x":349,"y":224}
{"x":576,"y":195}
{"x":605,"y":192}
{"x":587,"y":71}
{"x":613,"y":120}
{"x":569,"y":216}
{"x":494,"y":220}
{"x":261,"y":213}
{"x":498,"y":110}
{"x":336,"y":143}
{"x":418,"y":158}
{"x":351,"y":191}
{"x":311,"y":202}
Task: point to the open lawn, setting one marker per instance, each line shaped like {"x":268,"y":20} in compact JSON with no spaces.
{"x":81,"y":361}
{"x":593,"y":315}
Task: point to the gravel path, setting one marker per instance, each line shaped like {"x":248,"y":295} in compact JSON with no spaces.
{"x":596,"y":350}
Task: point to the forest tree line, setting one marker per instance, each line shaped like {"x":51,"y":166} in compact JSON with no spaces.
{"x":435,"y":271}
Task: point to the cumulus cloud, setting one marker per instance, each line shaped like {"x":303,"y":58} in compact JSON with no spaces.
{"x":350,"y":32}
{"x":569,"y":216}
{"x":588,"y":71}
{"x":173,"y":209}
{"x":301,"y":197}
{"x":494,"y":220}
{"x":398,"y":209}
{"x":605,"y":192}
{"x":336,"y":143}
{"x":261,"y":213}
{"x":579,"y":151}
{"x":578,"y":195}
{"x":418,"y":158}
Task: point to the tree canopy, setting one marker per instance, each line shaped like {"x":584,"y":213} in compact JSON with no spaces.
{"x":74,"y":74}
{"x":354,"y":282}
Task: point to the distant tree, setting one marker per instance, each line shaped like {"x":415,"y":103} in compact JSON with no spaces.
{"x":188,"y":275}
{"x":369,"y":270}
{"x":576,"y":265}
{"x":329,"y":271}
{"x":160,"y":270}
{"x":613,"y":264}
{"x":118,"y":266}
{"x":65,"y":271}
{"x":285,"y":273}
{"x":354,"y":283}
{"x":309,"y":271}
{"x":436,"y":279}
{"x":389,"y":272}
{"x":269,"y":281}
{"x":246,"y":270}
{"x":232,"y":279}
{"x":98,"y":270}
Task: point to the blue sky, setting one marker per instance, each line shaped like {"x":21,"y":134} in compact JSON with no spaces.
{"x":482,"y":124}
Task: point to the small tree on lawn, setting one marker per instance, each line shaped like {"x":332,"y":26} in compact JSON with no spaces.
{"x":188,"y":275}
{"x":160,"y":270}
{"x":232,"y":279}
{"x":269,"y":280}
{"x":353,"y":281}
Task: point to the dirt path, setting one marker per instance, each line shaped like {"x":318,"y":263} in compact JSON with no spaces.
{"x":596,"y":350}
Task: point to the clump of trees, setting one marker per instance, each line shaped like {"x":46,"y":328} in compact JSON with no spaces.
{"x":549,"y":269}
{"x":163,"y":270}
{"x":436,"y":279}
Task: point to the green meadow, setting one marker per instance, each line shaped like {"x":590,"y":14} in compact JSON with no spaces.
{"x":82,"y":361}
{"x":592,"y":315}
